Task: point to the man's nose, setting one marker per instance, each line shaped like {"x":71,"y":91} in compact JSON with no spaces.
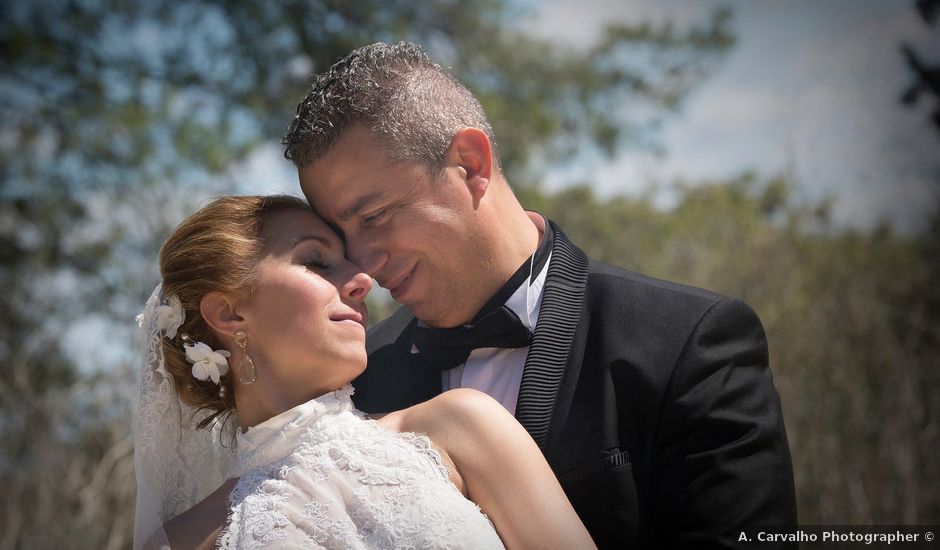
{"x":364,"y":252}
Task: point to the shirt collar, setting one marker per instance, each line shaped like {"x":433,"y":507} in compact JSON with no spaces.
{"x":531,"y":269}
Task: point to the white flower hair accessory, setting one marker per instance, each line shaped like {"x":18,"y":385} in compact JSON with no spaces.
{"x":207,"y":363}
{"x":170,"y":316}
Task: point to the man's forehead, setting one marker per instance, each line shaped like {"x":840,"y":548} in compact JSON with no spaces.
{"x":341,"y":201}
{"x":328,"y":193}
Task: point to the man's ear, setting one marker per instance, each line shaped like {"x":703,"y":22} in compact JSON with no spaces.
{"x":471,"y":152}
{"x":218,"y":310}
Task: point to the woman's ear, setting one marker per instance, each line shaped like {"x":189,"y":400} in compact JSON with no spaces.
{"x":218,"y":310}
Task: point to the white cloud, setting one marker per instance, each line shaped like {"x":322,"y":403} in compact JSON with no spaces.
{"x":265,"y":172}
{"x":577,"y":22}
{"x":810,"y":89}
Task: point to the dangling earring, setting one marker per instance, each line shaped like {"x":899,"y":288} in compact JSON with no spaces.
{"x":246,"y":367}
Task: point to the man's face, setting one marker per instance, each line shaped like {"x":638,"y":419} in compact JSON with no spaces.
{"x":415,"y":233}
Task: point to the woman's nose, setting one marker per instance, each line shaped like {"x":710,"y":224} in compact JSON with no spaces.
{"x":357,"y":287}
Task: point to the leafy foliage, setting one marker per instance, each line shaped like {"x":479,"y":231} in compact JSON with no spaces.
{"x":117,"y":117}
{"x":851,"y":318}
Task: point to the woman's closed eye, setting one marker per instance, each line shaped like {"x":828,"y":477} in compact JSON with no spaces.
{"x":318,"y":265}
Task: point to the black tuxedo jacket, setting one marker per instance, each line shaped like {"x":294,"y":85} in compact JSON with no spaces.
{"x":653,"y":402}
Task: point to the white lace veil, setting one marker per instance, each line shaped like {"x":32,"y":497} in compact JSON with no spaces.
{"x":176,"y":465}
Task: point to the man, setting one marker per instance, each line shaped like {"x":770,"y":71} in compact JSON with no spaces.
{"x":653,"y":402}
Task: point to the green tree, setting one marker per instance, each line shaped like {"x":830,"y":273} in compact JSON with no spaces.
{"x":117,"y":117}
{"x":851,"y":318}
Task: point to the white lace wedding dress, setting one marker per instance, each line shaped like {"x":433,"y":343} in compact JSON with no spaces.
{"x":322,"y":476}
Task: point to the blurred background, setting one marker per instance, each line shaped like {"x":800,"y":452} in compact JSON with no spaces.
{"x":782,"y":152}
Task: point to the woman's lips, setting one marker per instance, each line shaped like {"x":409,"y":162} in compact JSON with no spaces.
{"x":352,"y":317}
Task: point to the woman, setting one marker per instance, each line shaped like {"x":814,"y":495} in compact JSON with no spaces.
{"x":260,"y":314}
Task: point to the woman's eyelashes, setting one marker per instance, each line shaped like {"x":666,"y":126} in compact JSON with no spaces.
{"x":317,"y":264}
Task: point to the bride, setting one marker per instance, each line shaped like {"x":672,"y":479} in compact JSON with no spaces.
{"x":246,"y":433}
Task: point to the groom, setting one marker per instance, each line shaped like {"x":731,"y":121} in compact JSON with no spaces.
{"x":652,"y":401}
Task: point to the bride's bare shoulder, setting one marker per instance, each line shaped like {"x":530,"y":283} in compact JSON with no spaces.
{"x":453,"y":411}
{"x":467,"y":405}
{"x":200,"y":526}
{"x":448,"y":420}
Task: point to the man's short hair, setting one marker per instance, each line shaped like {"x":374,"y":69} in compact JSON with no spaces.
{"x":411,"y":104}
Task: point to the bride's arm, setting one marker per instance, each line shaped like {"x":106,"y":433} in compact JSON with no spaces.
{"x":505,"y":473}
{"x":200,"y":526}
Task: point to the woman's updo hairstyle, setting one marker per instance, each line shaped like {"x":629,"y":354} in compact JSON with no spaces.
{"x":217,"y":249}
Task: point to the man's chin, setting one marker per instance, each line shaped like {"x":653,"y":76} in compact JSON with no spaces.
{"x":422,"y":312}
{"x":434,"y":318}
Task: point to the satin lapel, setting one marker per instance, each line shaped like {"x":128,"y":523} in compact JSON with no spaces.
{"x":395,"y":378}
{"x":425,"y":380}
{"x":558,"y":320}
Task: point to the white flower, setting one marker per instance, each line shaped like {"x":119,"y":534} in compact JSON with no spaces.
{"x":207,"y":363}
{"x":170,"y":317}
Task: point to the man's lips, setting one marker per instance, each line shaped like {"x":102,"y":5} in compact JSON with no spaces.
{"x":400,"y":285}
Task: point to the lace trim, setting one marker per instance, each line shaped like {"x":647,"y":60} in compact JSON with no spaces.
{"x":424,"y":445}
{"x":349,"y":483}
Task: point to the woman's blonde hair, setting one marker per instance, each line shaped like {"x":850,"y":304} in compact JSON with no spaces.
{"x":217,"y":249}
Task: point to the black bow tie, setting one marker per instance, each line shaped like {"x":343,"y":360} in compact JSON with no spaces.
{"x":449,"y":347}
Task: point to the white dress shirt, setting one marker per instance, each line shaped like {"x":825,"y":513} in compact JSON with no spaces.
{"x":498,"y":371}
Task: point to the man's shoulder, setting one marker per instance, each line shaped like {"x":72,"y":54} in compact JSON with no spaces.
{"x":606,"y":274}
{"x":606,"y":281}
{"x":609,"y":285}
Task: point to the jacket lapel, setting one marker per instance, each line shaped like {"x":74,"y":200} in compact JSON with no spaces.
{"x":396,"y":378}
{"x":425,"y":380}
{"x":559,"y":315}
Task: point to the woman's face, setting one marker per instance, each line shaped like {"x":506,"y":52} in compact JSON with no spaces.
{"x":306,"y":318}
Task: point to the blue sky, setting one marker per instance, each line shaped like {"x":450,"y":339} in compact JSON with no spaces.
{"x":810,"y":90}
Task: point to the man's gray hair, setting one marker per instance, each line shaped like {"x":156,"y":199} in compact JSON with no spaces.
{"x":411,"y":104}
